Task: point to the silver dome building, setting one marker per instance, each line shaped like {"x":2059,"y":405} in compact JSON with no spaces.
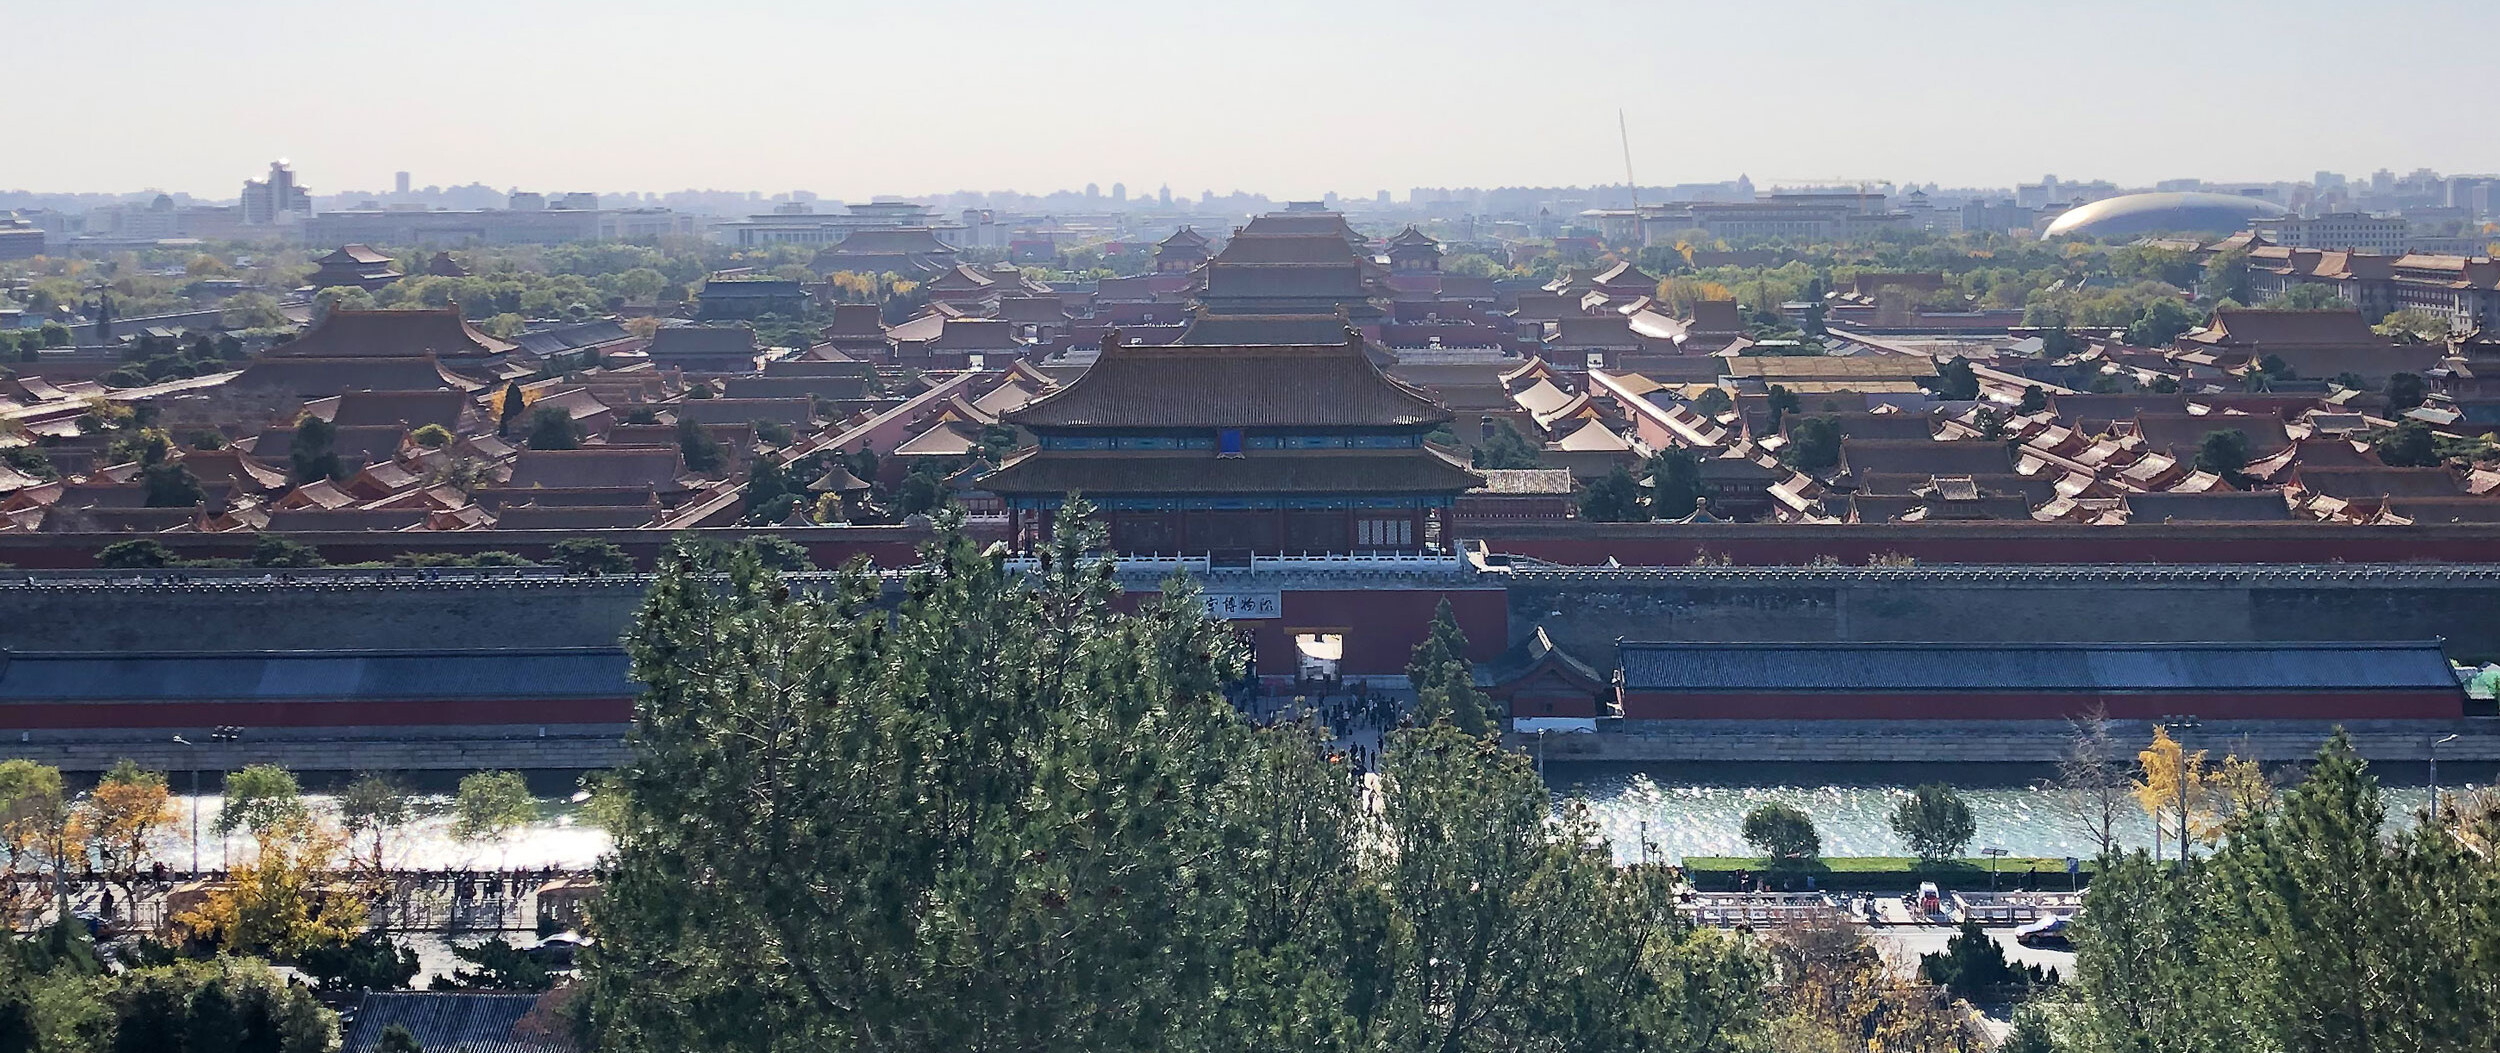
{"x":2135,"y":215}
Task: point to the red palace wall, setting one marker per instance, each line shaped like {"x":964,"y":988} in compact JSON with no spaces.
{"x":1672,"y":545}
{"x":2364,"y":705}
{"x":829,"y":547}
{"x":315,"y":714}
{"x":1381,"y":627}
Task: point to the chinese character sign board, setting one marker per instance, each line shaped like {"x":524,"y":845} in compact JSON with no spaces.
{"x":1233,"y":606}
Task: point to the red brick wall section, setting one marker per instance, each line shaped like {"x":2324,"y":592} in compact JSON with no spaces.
{"x":829,"y":547}
{"x":315,"y":714}
{"x":1381,"y":627}
{"x":2364,"y":705}
{"x":1669,"y":544}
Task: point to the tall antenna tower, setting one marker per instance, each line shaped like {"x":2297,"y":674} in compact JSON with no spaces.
{"x":1623,"y":131}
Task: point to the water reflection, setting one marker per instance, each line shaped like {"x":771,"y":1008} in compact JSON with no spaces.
{"x":1689,"y":810}
{"x":1698,"y":810}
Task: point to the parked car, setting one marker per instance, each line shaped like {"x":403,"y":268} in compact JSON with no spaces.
{"x":2048,"y":933}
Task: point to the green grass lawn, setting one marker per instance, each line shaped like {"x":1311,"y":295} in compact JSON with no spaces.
{"x":1874,"y":873}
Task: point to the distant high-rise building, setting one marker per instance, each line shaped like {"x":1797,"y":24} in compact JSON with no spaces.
{"x":1165,"y":195}
{"x":528,"y":201}
{"x":1119,"y":192}
{"x":399,"y":184}
{"x":1093,"y":190}
{"x":276,"y":201}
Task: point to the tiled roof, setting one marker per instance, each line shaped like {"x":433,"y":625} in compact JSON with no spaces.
{"x":791,"y":411}
{"x":412,"y":408}
{"x":1934,"y":666}
{"x":654,"y":468}
{"x":1907,"y":456}
{"x":1516,"y":482}
{"x":2214,"y":507}
{"x":298,"y":520}
{"x":1284,"y":281}
{"x":356,"y":254}
{"x":1285,"y":248}
{"x":1717,"y":316}
{"x":498,"y":498}
{"x":392,"y":334}
{"x":2238,"y":326}
{"x":1205,"y":330}
{"x":453,"y":1021}
{"x":1422,"y":470}
{"x":701,"y":340}
{"x":1298,"y":223}
{"x":314,"y":377}
{"x":891,"y":241}
{"x":2183,"y":433}
{"x":1625,"y":273}
{"x":582,"y":517}
{"x":1231,"y":387}
{"x":2358,"y":483}
{"x":768,"y":387}
{"x":1594,"y":331}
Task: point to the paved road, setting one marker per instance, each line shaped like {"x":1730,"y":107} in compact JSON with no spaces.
{"x":1903,"y":944}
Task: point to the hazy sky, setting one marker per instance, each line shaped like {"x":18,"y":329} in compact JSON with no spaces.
{"x":1286,"y":97}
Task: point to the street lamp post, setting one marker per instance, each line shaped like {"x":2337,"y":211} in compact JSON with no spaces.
{"x":2435,"y":744}
{"x":2178,"y":724}
{"x":1993,"y":855}
{"x":194,"y":752}
{"x":221,"y":733}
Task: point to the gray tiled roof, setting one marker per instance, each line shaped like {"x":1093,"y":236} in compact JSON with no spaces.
{"x":477,"y":1021}
{"x":1928,"y":666}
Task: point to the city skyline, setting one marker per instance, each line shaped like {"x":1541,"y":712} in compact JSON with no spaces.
{"x":1449,"y":95}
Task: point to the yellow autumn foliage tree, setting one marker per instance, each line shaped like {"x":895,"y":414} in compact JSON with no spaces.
{"x":284,"y":900}
{"x":2212,"y":795}
{"x":118,"y":822}
{"x":1681,"y":293}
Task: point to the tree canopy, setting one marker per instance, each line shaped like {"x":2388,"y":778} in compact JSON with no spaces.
{"x":1005,"y":814}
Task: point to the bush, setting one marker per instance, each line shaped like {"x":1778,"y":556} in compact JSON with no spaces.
{"x":370,"y":962}
{"x":279,"y":552}
{"x":1782,"y":832}
{"x":1973,"y":962}
{"x":583,"y":555}
{"x":432,"y":436}
{"x":134,"y":554}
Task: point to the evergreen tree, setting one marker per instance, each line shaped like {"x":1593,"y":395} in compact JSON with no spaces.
{"x":1506,"y":448}
{"x":702,"y":454}
{"x":553,"y":428}
{"x":314,"y":453}
{"x":1813,"y":445}
{"x":1616,"y":498}
{"x":1675,"y":485}
{"x":1956,"y":380}
{"x":513,"y":402}
{"x":2224,"y":453}
{"x":170,"y":485}
{"x":1445,"y":681}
